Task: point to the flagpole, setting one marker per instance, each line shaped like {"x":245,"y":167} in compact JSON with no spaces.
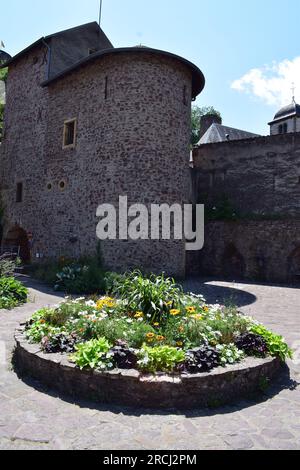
{"x":100,"y":13}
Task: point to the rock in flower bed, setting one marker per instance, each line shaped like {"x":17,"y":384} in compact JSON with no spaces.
{"x":150,"y":324}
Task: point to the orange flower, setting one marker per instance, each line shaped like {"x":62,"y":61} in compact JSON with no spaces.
{"x":42,"y":321}
{"x":160,"y":338}
{"x":150,"y":335}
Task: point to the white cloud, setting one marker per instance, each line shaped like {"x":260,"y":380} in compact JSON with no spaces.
{"x":272,"y":83}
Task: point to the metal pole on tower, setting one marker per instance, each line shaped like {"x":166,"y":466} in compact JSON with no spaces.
{"x":100,"y":13}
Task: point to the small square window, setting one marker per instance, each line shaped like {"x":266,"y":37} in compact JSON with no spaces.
{"x":19,"y":195}
{"x":69,"y":139}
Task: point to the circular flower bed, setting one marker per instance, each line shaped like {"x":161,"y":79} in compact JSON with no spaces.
{"x":149,"y":324}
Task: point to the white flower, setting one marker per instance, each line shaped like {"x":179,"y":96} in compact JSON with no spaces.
{"x":100,"y":317}
{"x":90,"y":303}
{"x":80,"y":299}
{"x":129,"y":320}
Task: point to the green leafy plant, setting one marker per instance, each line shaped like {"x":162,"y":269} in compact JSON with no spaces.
{"x":276,"y":344}
{"x":197,"y":114}
{"x":12,"y":293}
{"x":39,"y":330}
{"x":85,"y":277}
{"x":229,"y":354}
{"x":113,"y":282}
{"x":149,"y":294}
{"x":8,"y":267}
{"x":160,"y":359}
{"x":93,"y":354}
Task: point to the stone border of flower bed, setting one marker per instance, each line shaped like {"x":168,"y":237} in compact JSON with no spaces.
{"x":132,"y":388}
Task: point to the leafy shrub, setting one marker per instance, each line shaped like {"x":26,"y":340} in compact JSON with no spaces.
{"x":39,"y":330}
{"x":59,"y":343}
{"x":160,"y":359}
{"x":12,"y":293}
{"x":93,"y":354}
{"x":201,"y":359}
{"x":86,"y":278}
{"x":150,"y":294}
{"x":83,"y":276}
{"x":228,"y":322}
{"x":277,"y":347}
{"x":229,"y":353}
{"x":8,"y":267}
{"x":124,"y":357}
{"x":113,"y":282}
{"x":252,"y":345}
{"x":125,"y":329}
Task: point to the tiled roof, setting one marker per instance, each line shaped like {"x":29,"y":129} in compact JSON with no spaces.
{"x":220,"y":133}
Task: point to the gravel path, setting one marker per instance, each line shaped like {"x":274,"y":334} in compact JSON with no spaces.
{"x":34,"y":418}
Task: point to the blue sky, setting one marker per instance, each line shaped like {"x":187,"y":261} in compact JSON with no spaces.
{"x":249,"y":51}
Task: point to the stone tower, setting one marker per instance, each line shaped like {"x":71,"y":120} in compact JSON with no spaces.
{"x":128,"y":112}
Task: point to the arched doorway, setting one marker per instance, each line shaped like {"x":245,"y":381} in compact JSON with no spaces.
{"x":17,"y":242}
{"x":294,"y":265}
{"x":233,"y":264}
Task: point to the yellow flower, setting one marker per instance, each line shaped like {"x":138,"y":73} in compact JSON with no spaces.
{"x":156,"y":324}
{"x":169,"y":303}
{"x":160,"y":338}
{"x":139,"y":315}
{"x":179,"y":344}
{"x":206,"y":309}
{"x":174,"y":312}
{"x":105,"y":302}
{"x":150,"y":335}
{"x":190,"y":309}
{"x":181,"y":329}
{"x":197,"y":317}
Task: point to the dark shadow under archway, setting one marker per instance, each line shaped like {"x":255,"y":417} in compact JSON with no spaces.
{"x":294,"y":266}
{"x":233,"y":263}
{"x":17,"y":242}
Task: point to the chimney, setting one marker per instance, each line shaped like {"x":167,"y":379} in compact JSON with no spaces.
{"x":206,"y":121}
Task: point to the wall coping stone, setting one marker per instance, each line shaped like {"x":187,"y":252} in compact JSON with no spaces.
{"x":132,"y":388}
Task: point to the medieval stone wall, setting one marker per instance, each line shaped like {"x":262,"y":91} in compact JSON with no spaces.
{"x":259,"y":176}
{"x":251,"y":250}
{"x":23,"y":147}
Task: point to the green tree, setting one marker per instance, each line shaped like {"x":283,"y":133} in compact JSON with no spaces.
{"x":197,"y":113}
{"x":3,"y":74}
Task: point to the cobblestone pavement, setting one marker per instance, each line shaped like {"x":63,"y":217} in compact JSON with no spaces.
{"x":34,"y":418}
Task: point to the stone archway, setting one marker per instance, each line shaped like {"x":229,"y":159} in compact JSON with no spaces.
{"x":294,"y":265}
{"x":16,"y":241}
{"x":233,"y":263}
